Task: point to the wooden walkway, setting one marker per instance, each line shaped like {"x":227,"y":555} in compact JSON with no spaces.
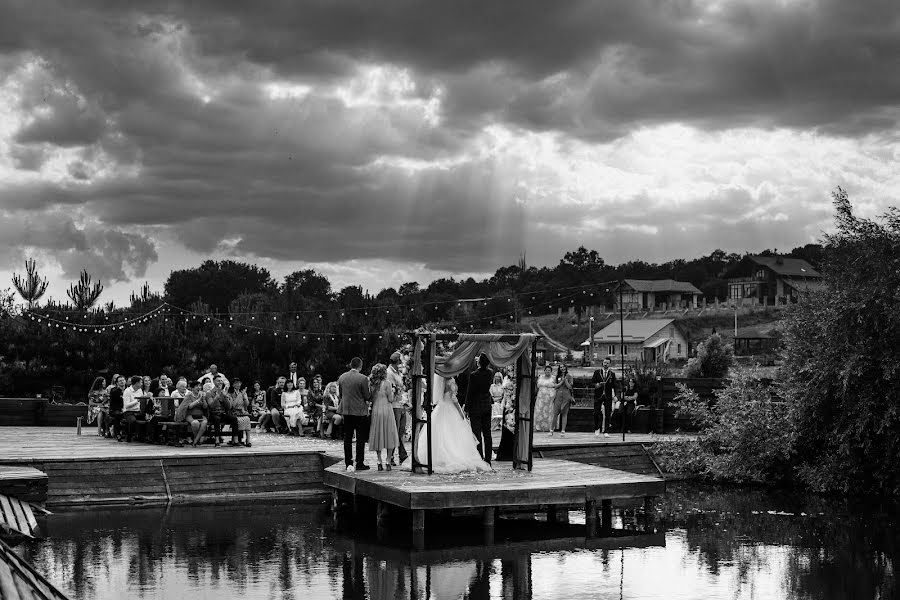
{"x":554,"y":485}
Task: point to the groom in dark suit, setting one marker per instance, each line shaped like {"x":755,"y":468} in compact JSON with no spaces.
{"x":478,"y":405}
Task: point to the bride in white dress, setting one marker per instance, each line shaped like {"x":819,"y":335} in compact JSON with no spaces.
{"x":454,"y":449}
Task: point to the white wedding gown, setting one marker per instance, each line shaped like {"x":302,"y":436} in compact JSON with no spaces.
{"x":455,"y":449}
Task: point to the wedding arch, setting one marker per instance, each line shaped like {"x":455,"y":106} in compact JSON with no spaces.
{"x":501,"y":350}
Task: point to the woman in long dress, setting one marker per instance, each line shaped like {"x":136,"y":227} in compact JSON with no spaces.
{"x":497,"y":401}
{"x":454,"y":448}
{"x":546,"y":392}
{"x":383,"y":428}
{"x":562,"y":401}
{"x":508,"y":427}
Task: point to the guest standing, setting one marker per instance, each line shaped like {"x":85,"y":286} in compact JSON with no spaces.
{"x":383,"y":428}
{"x":604,"y":381}
{"x":399,"y":402}
{"x":240,"y":413}
{"x":562,"y":401}
{"x":546,"y":391}
{"x":507,"y":432}
{"x":497,"y":401}
{"x":353,"y":397}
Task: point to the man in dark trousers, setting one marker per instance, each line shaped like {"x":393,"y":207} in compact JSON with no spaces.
{"x":354,"y":397}
{"x":478,"y":405}
{"x":604,"y":381}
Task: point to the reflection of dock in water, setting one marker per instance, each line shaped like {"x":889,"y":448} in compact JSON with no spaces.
{"x":553,"y":485}
{"x":380,"y":572}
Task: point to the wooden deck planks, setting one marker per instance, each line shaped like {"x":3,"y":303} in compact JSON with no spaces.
{"x":20,"y":581}
{"x":551,"y":482}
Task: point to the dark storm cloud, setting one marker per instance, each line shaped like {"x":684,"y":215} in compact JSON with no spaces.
{"x":166,"y":101}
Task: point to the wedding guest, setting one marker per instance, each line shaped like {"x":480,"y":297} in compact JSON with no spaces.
{"x":329,"y":410}
{"x":211,"y":376}
{"x":292,"y":403}
{"x":630,"y":396}
{"x":507,"y":432}
{"x":117,"y":406}
{"x":313,"y":405}
{"x":399,"y":403}
{"x":604,"y":381}
{"x":562,"y":401}
{"x":258,"y":406}
{"x":497,"y":401}
{"x":383,"y":428}
{"x":197,"y":411}
{"x":217,"y":405}
{"x":131,"y":409}
{"x":293,"y":375}
{"x":273,"y":404}
{"x":240,"y":413}
{"x":353,"y":399}
{"x":546,"y":391}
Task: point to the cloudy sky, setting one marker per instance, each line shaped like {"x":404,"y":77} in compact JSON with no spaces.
{"x":383,"y":142}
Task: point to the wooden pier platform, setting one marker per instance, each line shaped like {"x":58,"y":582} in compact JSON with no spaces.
{"x":554,"y":484}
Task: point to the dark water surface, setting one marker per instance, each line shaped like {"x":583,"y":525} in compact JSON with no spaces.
{"x":712,"y":543}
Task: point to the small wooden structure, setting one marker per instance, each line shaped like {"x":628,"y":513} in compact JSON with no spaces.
{"x":503,"y":350}
{"x":555,"y":485}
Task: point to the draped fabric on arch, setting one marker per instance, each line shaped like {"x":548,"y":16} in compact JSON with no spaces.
{"x":500,"y":353}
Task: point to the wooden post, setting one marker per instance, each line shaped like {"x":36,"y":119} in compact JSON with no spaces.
{"x":429,"y":397}
{"x":488,"y":516}
{"x":590,"y":516}
{"x":606,"y":515}
{"x":558,"y":515}
{"x":649,"y":514}
{"x":418,"y":529}
{"x":381,"y":515}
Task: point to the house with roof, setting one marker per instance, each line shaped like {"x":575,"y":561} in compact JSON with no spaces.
{"x":648,"y":339}
{"x":653,"y":294}
{"x":771,"y":279}
{"x":756,"y":340}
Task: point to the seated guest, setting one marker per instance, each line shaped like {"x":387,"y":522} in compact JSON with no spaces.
{"x":258,"y":408}
{"x":196,"y":408}
{"x":146,"y":385}
{"x":313,"y":404}
{"x":218,"y":405}
{"x":292,"y":402}
{"x":327,"y":410}
{"x":273,"y":403}
{"x":240,"y":413}
{"x":179,"y":391}
{"x":117,"y":406}
{"x":131,"y":406}
{"x":211,"y":376}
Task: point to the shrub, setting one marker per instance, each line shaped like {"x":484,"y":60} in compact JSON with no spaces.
{"x":745,"y":437}
{"x":714,"y":358}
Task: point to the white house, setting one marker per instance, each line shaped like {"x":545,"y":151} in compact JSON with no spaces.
{"x":650,"y":339}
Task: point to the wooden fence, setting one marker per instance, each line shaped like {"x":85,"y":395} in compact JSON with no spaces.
{"x":39,"y":412}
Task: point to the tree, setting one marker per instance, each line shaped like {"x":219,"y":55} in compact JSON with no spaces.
{"x":714,"y":358}
{"x":32,"y":286}
{"x":409,"y":289}
{"x":84,"y":294}
{"x":217,"y":284}
{"x":307,"y":284}
{"x":841,"y":371}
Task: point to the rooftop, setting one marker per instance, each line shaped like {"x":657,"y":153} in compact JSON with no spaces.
{"x":635,"y":330}
{"x":662,"y":285}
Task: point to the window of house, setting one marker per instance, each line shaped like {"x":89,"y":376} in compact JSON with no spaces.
{"x":611,"y":350}
{"x":678,"y":348}
{"x":624,"y":349}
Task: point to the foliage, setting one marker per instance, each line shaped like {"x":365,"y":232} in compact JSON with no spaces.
{"x":32,"y":286}
{"x":216,"y":283}
{"x":841,"y":367}
{"x":746,"y":435}
{"x":714,"y":358}
{"x":84,"y":294}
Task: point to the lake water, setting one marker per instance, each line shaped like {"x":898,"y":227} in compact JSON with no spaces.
{"x":711,"y":543}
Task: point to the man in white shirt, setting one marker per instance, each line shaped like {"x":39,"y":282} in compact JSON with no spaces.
{"x":211,"y":376}
{"x":293,"y":375}
{"x":131,"y":406}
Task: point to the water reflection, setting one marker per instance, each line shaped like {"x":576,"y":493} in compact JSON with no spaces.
{"x":713,"y":543}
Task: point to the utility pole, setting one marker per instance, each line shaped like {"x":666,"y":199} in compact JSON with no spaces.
{"x":622,"y":357}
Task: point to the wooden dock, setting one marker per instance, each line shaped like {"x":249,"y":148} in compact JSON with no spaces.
{"x":552,"y":485}
{"x":20,"y":581}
